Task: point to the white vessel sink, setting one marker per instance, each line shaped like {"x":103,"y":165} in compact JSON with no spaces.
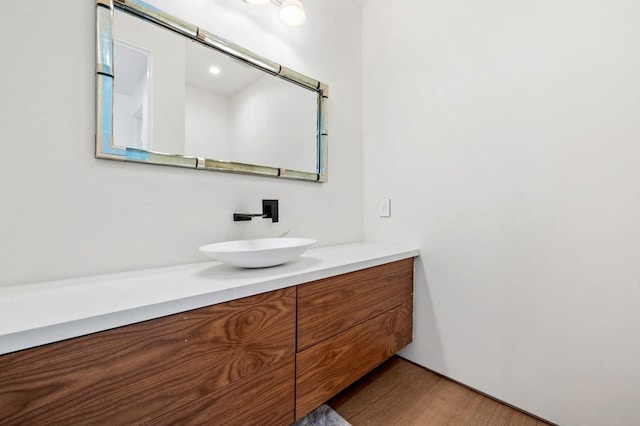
{"x":260,"y":253}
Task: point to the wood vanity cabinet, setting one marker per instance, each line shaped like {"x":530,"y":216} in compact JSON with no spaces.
{"x":232,"y":362}
{"x":242,"y":362}
{"x":347,"y":325}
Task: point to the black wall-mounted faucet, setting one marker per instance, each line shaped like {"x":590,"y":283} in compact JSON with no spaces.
{"x":269,"y":211}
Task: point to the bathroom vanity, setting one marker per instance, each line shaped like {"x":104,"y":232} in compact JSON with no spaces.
{"x":266,"y":358}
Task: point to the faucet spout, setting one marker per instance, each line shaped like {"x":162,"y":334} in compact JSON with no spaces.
{"x":241,"y":217}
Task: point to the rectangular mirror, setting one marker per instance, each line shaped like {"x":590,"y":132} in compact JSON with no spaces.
{"x":170,"y":93}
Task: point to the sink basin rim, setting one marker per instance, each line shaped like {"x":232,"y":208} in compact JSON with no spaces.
{"x":257,"y":253}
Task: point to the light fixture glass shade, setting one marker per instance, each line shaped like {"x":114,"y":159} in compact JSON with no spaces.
{"x":292,"y":13}
{"x":257,"y":2}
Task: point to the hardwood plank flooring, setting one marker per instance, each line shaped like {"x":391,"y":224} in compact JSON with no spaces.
{"x":401,"y":393}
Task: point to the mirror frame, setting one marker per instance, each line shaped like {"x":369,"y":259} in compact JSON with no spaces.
{"x":105,"y":146}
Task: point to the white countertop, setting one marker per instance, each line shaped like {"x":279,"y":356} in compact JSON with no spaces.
{"x":36,"y":314}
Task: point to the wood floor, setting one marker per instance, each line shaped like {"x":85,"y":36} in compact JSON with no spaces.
{"x":401,"y":393}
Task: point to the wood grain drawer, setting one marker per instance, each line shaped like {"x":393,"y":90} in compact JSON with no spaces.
{"x":134,"y":374}
{"x":264,"y":400}
{"x":332,"y":305}
{"x":327,"y":368}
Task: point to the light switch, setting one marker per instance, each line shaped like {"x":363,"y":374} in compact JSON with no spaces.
{"x":384,"y":207}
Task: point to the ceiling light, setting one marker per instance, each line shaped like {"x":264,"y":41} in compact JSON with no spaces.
{"x":292,"y":13}
{"x":214,"y":70}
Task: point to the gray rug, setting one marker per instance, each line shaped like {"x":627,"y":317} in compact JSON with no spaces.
{"x":322,"y":416}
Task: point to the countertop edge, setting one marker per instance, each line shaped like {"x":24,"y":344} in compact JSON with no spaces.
{"x":41,"y":335}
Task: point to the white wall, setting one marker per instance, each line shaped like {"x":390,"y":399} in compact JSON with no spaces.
{"x":64,"y":213}
{"x":206,"y":124}
{"x":275,"y":140}
{"x":507,"y":134}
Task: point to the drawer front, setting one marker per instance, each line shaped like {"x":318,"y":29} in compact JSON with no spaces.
{"x":327,"y":368}
{"x":133,"y":374}
{"x":332,"y":305}
{"x":264,"y":400}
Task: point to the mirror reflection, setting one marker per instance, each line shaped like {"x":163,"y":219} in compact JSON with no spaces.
{"x":131,"y":115}
{"x":177,"y":96}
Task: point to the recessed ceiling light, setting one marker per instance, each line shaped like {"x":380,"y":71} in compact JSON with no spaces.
{"x":214,"y":70}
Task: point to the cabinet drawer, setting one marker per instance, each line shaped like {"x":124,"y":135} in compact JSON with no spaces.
{"x":332,"y":305}
{"x":327,"y":368}
{"x":134,"y":374}
{"x":264,"y":400}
